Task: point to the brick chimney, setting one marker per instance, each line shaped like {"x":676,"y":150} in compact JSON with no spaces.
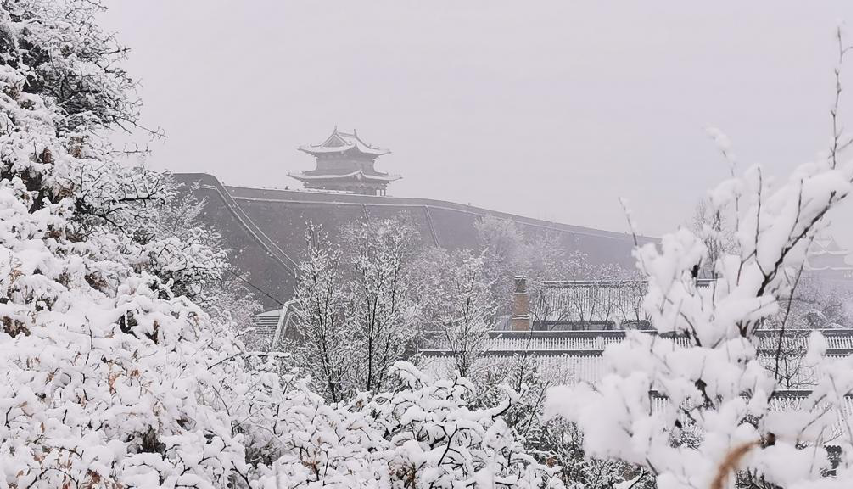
{"x":520,"y":320}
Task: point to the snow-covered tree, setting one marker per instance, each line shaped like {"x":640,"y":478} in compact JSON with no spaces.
{"x":380,"y":312}
{"x":355,"y":306}
{"x":712,"y":224}
{"x":74,"y":66}
{"x":691,"y":414}
{"x":326,"y":336}
{"x":71,"y":62}
{"x":169,"y":241}
{"x":507,"y":253}
{"x":456,"y":305}
{"x":542,"y":257}
{"x":67,"y":60}
{"x":171,"y":244}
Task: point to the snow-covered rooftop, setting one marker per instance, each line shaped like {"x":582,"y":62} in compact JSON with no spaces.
{"x":357,"y":175}
{"x":339,"y":142}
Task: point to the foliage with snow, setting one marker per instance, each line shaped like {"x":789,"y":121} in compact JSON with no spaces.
{"x":679,"y":412}
{"x":103,"y":367}
{"x":100,"y":364}
{"x":422,"y":434}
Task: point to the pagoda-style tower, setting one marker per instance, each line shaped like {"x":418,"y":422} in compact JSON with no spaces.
{"x":345,"y":163}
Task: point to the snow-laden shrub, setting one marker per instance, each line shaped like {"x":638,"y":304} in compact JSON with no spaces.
{"x":103,"y":371}
{"x":438,"y":440}
{"x":109,"y":378}
{"x":319,"y":444}
{"x":423,"y":434}
{"x":716,"y":390}
{"x":99,"y":366}
{"x":554,"y":442}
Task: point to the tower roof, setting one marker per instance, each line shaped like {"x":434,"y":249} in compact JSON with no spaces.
{"x":340,"y":142}
{"x":358,"y":175}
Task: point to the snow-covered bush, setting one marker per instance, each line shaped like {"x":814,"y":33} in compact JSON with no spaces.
{"x":171,"y":244}
{"x":440,"y":441}
{"x":69,"y":61}
{"x":422,"y":434}
{"x":564,"y":444}
{"x":317,"y":444}
{"x":716,"y":388}
{"x":103,"y":369}
{"x":100,"y":365}
{"x":554,"y":442}
{"x":110,"y":376}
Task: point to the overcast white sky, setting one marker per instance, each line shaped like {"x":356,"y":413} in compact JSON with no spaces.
{"x":551,"y":109}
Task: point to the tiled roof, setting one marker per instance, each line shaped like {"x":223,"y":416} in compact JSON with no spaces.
{"x":339,"y":142}
{"x":356,"y":175}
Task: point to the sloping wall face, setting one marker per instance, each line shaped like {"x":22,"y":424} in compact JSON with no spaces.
{"x":265,"y":229}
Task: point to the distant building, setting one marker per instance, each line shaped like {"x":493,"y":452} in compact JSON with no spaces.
{"x":565,"y":326}
{"x":827,"y":260}
{"x":345,"y":163}
{"x":580,"y":305}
